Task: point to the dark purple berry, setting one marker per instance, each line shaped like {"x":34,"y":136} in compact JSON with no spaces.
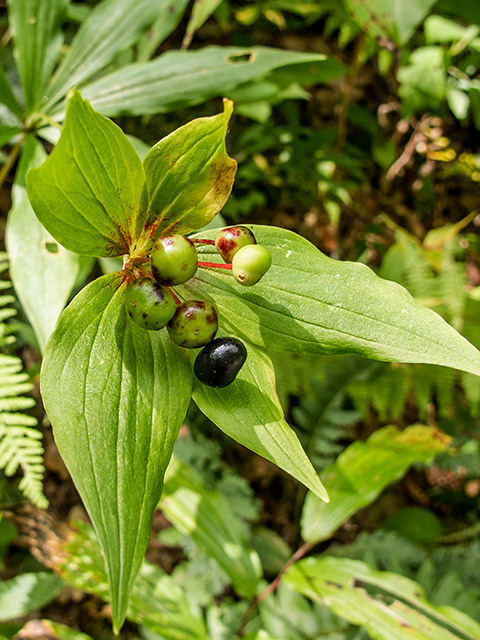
{"x":218,"y":364}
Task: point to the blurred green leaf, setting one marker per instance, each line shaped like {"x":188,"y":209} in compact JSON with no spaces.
{"x":201,"y":11}
{"x":112,"y":27}
{"x":437,"y":28}
{"x":42,"y":271}
{"x":7,"y":133}
{"x":36,"y":27}
{"x":27,"y":592}
{"x":168,"y":17}
{"x":396,"y":20}
{"x":156,"y":602}
{"x":182,"y":78}
{"x":7,"y":96}
{"x":416,"y":524}
{"x":206,"y":516}
{"x":288,"y":615}
{"x":387,"y":605}
{"x":423,"y":83}
{"x":362,"y":471}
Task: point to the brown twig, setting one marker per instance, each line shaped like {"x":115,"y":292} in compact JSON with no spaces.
{"x":305,"y":548}
{"x":409,"y":149}
{"x":4,"y":171}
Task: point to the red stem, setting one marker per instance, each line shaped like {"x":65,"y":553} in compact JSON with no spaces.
{"x":215,"y":265}
{"x":174,"y":295}
{"x":203,"y":241}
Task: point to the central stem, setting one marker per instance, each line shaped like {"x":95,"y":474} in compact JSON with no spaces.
{"x":214,"y":265}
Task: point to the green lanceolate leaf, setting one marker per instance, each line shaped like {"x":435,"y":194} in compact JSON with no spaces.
{"x":116,"y":396}
{"x":42,"y":271}
{"x":113,"y":26}
{"x":388,"y":606}
{"x":396,"y":20}
{"x":36,"y":27}
{"x":249,"y":411}
{"x":188,"y":177}
{"x":87,"y":192}
{"x":190,"y":77}
{"x":201,"y":11}
{"x":168,"y":16}
{"x":7,"y":96}
{"x":207,"y":517}
{"x":309,"y":303}
{"x":362,"y":471}
{"x":27,"y":592}
{"x":7,"y":133}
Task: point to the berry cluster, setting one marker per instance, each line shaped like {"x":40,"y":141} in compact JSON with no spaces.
{"x":152,"y":305}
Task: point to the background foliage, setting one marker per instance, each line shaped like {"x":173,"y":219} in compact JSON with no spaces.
{"x":361,"y":134}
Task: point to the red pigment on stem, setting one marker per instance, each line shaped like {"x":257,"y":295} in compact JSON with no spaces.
{"x":174,"y":295}
{"x":203,"y":242}
{"x":215,"y":265}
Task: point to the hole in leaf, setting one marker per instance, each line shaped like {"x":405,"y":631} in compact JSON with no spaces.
{"x":242,"y":58}
{"x":52,"y":247}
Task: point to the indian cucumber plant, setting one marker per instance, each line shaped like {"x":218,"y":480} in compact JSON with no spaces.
{"x":189,"y":316}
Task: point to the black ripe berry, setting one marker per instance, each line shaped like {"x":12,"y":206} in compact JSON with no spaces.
{"x":218,"y":364}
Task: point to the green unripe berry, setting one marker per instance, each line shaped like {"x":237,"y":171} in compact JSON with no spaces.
{"x":194,"y":324}
{"x":174,"y":260}
{"x":231,"y":239}
{"x":149,"y":305}
{"x":218,"y":364}
{"x":250,"y":263}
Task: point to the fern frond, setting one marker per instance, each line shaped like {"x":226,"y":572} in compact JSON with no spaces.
{"x":4,"y":300}
{"x":5,"y":314}
{"x":21,"y":447}
{"x":320,"y":419}
{"x":20,"y":443}
{"x":452,"y":284}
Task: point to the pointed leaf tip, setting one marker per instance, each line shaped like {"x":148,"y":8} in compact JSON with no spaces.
{"x":87,"y":192}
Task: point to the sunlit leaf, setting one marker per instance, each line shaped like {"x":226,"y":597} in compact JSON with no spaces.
{"x":309,"y":303}
{"x":362,"y":471}
{"x":387,"y":605}
{"x":27,"y":592}
{"x":207,"y":517}
{"x":87,"y":192}
{"x":188,"y":177}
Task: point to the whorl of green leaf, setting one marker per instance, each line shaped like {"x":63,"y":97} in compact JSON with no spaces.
{"x":20,"y":442}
